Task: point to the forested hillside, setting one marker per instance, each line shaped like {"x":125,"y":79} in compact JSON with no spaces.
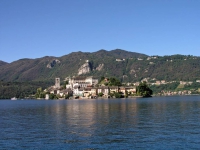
{"x":2,"y":63}
{"x":47,"y":68}
{"x":22,"y":77}
{"x":20,"y":89}
{"x":126,"y":66}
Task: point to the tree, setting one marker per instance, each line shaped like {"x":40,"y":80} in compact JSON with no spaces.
{"x":40,"y":93}
{"x":53,"y":96}
{"x":118,"y":95}
{"x":100,"y":94}
{"x":102,"y":78}
{"x":114,"y":82}
{"x":67,"y":96}
{"x":144,"y":90}
{"x":65,"y":83}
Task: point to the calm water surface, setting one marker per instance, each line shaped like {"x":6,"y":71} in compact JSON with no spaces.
{"x":152,"y":123}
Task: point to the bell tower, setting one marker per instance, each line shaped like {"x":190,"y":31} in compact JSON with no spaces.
{"x":57,"y":82}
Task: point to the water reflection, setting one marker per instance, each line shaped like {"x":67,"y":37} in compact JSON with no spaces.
{"x":90,"y":124}
{"x":89,"y":118}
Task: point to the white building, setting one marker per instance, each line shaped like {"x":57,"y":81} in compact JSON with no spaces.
{"x":47,"y":96}
{"x":82,"y":82}
{"x":78,"y":83}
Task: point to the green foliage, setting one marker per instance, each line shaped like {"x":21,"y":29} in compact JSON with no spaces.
{"x":106,"y":83}
{"x":169,"y":68}
{"x":180,"y":86}
{"x":118,"y":95}
{"x":194,"y":85}
{"x":111,"y":94}
{"x":100,"y":94}
{"x":36,"y":69}
{"x":144,"y":90}
{"x":175,"y":86}
{"x":112,"y":81}
{"x":67,"y":96}
{"x":127,"y":94}
{"x":164,"y":87}
{"x":21,"y":89}
{"x":40,"y":93}
{"x":102,"y":79}
{"x":53,"y":96}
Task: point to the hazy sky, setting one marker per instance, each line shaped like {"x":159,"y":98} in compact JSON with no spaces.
{"x":37,"y":28}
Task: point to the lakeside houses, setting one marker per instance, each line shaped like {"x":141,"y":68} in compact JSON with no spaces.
{"x":86,"y":87}
{"x":171,"y":93}
{"x":179,"y":90}
{"x":160,"y":82}
{"x":89,"y":87}
{"x":104,"y":91}
{"x":130,"y":90}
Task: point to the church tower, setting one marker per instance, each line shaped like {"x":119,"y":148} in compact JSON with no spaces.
{"x":57,"y":82}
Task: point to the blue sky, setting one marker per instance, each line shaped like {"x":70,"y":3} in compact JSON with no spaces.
{"x":37,"y":28}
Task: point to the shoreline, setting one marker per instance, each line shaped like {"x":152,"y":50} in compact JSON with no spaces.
{"x":84,"y":98}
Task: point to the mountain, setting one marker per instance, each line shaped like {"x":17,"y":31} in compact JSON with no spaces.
{"x":3,"y":63}
{"x":47,"y":68}
{"x":117,"y":53}
{"x":125,"y":65}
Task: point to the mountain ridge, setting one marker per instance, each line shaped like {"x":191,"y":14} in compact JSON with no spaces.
{"x":125,"y":65}
{"x":3,"y":63}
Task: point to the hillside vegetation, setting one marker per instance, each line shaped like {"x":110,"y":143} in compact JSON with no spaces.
{"x":2,"y":63}
{"x":124,"y":65}
{"x":21,"y":78}
{"x":20,"y":89}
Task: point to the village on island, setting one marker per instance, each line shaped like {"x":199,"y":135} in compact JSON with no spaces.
{"x":81,"y":87}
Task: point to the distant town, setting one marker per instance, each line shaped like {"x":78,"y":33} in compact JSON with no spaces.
{"x":193,"y":87}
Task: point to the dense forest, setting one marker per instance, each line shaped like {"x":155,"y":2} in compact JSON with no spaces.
{"x":21,"y":89}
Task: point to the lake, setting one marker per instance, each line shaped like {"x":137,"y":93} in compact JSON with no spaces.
{"x":140,"y":123}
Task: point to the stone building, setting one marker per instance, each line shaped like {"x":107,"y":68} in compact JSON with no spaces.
{"x":82,"y":82}
{"x":57,"y":82}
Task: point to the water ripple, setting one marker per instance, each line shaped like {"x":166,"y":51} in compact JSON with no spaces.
{"x":157,"y":123}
